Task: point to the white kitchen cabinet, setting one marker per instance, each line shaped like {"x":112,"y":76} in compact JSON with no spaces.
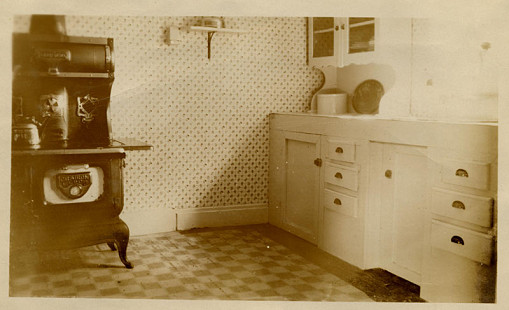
{"x":460,"y":258}
{"x":343,"y":198}
{"x":316,"y":188}
{"x":337,"y":42}
{"x":294,"y":192}
{"x":417,"y":198}
{"x":404,"y":198}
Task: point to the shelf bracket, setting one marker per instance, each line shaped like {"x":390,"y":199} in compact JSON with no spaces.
{"x":210,"y":34}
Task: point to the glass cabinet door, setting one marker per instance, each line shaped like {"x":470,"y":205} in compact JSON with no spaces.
{"x":323,"y":41}
{"x":341,"y":41}
{"x":359,"y":42}
{"x":323,"y":36}
{"x":361,"y":35}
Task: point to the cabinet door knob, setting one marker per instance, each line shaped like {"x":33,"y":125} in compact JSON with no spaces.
{"x":337,"y":28}
{"x":338,"y":175}
{"x":388,"y":174}
{"x":458,"y":205}
{"x":337,"y":201}
{"x":318,"y":162}
{"x":339,"y":150}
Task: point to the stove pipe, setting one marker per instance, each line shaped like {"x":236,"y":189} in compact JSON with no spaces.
{"x":48,"y":24}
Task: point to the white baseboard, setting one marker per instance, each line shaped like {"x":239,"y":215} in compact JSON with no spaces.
{"x":149,"y":221}
{"x":222,"y":216}
{"x":152,"y":221}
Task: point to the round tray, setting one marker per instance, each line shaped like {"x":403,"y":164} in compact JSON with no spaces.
{"x":366,"y":97}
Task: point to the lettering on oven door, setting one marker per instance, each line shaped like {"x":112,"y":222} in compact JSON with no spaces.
{"x":74,"y":185}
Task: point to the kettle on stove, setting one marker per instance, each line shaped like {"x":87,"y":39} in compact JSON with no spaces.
{"x":25,"y":134}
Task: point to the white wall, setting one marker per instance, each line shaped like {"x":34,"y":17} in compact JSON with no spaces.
{"x":435,"y":68}
{"x":454,"y":72}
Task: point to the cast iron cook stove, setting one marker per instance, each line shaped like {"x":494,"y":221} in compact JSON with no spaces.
{"x":66,"y":182}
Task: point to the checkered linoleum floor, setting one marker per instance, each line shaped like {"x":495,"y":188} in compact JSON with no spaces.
{"x":233,"y":264}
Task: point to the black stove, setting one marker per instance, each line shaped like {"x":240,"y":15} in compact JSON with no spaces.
{"x":67,"y":170}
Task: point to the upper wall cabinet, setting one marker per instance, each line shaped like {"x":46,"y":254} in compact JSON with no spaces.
{"x":341,"y":41}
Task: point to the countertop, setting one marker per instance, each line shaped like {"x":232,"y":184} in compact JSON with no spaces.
{"x":469,"y":137}
{"x":387,"y":117}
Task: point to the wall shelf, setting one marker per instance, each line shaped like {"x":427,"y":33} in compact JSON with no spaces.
{"x":211,"y":31}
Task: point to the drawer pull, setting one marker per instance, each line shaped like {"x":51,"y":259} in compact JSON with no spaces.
{"x":458,"y":205}
{"x":338,"y":175}
{"x":457,"y":240}
{"x":462,"y":173}
{"x":339,"y":150}
{"x":337,"y":201}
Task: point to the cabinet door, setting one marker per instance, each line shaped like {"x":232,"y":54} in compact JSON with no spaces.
{"x":302,"y":175}
{"x":342,"y":41}
{"x":359,"y":40}
{"x":404,"y":198}
{"x":324,"y":38}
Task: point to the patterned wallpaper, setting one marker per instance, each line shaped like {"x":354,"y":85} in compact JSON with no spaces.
{"x":207,"y":119}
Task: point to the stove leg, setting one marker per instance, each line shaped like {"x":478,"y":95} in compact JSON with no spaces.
{"x":112,"y":246}
{"x":121,"y":239}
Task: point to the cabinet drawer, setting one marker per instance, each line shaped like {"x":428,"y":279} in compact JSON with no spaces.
{"x":342,"y":151}
{"x":341,"y":176}
{"x":468,"y":208}
{"x":340,"y":203}
{"x":469,"y":174}
{"x":463,"y":242}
